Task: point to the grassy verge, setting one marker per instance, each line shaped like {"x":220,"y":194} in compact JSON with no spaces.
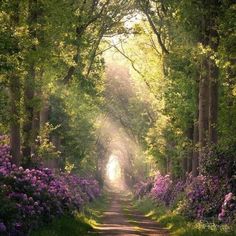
{"x":179,"y":225}
{"x":81,"y":223}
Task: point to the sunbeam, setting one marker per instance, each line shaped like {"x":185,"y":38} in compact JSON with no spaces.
{"x":113,"y":169}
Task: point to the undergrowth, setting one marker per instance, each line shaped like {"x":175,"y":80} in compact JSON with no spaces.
{"x":178,"y":224}
{"x":81,"y":224}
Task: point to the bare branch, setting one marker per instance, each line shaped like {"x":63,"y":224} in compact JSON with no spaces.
{"x":163,"y":47}
{"x":131,"y":61}
{"x":136,"y":69}
{"x":153,"y":45}
{"x":95,"y":48}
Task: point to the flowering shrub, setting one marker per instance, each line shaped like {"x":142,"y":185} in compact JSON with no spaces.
{"x":204,"y":195}
{"x":143,"y":188}
{"x":165,"y":190}
{"x":30,"y":197}
{"x":176,"y":191}
{"x":161,"y":188}
{"x":201,"y":196}
{"x":228,"y":208}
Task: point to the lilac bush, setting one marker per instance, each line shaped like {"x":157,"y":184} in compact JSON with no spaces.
{"x":3,"y":227}
{"x":161,"y":188}
{"x":228,"y":208}
{"x":204,"y":196}
{"x":31,"y":197}
{"x":166,"y":190}
{"x":176,"y":191}
{"x":143,"y":188}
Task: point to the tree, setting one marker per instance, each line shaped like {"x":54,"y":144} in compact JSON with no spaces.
{"x":11,"y":70}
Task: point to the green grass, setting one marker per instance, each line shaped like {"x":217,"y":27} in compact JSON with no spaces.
{"x":64,"y":226}
{"x":81,"y":224}
{"x":179,"y":225}
{"x":92,"y":213}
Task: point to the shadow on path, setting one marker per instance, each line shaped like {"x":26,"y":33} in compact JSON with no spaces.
{"x":117,"y":221}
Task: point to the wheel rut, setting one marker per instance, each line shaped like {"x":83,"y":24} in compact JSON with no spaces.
{"x":122,"y":219}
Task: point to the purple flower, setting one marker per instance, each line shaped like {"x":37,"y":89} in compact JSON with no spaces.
{"x":3,"y":228}
{"x":17,"y":226}
{"x":39,"y":194}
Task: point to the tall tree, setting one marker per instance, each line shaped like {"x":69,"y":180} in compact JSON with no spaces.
{"x":14,"y":84}
{"x":30,"y":80}
{"x":209,"y":76}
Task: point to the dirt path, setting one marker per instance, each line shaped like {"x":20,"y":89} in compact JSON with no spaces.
{"x":122,"y":219}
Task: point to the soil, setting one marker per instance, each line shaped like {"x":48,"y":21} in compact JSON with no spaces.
{"x":122,"y":219}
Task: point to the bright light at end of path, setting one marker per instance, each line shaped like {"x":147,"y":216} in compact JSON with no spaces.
{"x":113,"y":169}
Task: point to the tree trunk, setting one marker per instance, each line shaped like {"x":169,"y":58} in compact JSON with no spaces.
{"x":213,"y":108}
{"x":29,"y":88}
{"x":36,"y":116}
{"x":189,"y":150}
{"x":15,"y":95}
{"x":203,"y":109}
{"x":195,"y":160}
{"x":208,"y":85}
{"x":213,"y":89}
{"x":29,"y":113}
{"x":56,"y":141}
{"x":44,"y":113}
{"x":187,"y":160}
{"x":231,"y":75}
{"x":35,"y":128}
{"x":185,"y":164}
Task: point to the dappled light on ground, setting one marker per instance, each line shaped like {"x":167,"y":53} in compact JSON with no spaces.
{"x":122,"y":219}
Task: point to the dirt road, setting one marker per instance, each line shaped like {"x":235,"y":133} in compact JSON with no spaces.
{"x":123,"y":219}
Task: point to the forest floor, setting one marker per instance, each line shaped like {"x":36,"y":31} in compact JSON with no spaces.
{"x":121,"y":218}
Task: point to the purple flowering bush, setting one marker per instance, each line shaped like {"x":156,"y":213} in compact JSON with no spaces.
{"x":228,"y":209}
{"x":204,"y":195}
{"x":176,"y":192}
{"x":161,"y":189}
{"x":31,"y":197}
{"x":143,"y":188}
{"x":165,"y":190}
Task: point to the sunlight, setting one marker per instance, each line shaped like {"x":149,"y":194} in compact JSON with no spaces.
{"x":129,"y":21}
{"x":113,"y":169}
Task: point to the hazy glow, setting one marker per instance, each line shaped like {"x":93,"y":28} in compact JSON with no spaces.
{"x":113,"y":169}
{"x":129,"y":22}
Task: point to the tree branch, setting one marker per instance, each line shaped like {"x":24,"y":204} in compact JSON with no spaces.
{"x":79,"y":33}
{"x":135,"y":68}
{"x":162,"y":45}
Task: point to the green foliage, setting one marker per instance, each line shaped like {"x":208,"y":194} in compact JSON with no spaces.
{"x":64,"y":226}
{"x":179,"y":225}
{"x":8,"y":208}
{"x":45,"y":149}
{"x":80,"y":224}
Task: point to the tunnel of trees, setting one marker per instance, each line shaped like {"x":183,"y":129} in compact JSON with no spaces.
{"x":148,"y":85}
